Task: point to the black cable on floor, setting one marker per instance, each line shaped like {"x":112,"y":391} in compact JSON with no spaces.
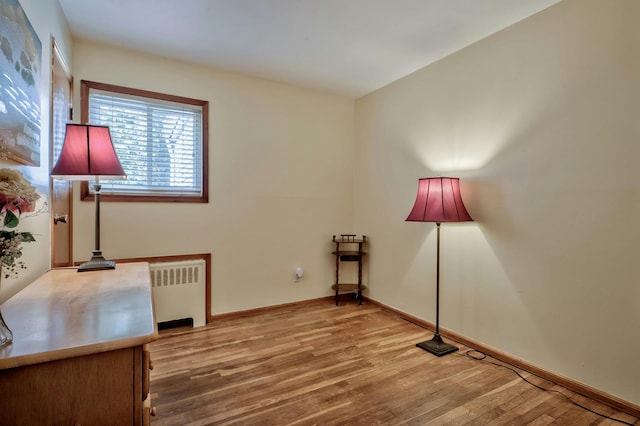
{"x":483,"y":357}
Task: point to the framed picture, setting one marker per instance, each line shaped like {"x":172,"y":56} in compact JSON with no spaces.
{"x":20,"y":72}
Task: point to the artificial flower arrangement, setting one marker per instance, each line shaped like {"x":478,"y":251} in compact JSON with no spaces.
{"x":17,"y":197}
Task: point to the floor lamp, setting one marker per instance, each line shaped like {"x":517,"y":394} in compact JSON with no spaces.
{"x":438,"y":201}
{"x":88,"y":153}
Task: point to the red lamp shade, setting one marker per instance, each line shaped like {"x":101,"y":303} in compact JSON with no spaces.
{"x":439,"y":200}
{"x":87,"y":152}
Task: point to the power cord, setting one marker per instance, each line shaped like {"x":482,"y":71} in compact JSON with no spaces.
{"x":483,"y":357}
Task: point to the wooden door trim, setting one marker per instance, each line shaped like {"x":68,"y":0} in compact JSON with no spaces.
{"x":56,"y":55}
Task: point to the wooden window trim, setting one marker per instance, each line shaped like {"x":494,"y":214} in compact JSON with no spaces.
{"x":86,"y":195}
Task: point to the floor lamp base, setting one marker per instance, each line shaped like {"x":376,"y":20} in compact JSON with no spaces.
{"x":437,"y":346}
{"x":97,"y":263}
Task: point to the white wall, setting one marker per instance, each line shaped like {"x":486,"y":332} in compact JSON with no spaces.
{"x":48,"y":21}
{"x":540,"y":122}
{"x":280,"y":182}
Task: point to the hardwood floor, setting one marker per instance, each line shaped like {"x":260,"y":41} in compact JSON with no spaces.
{"x":347,"y":365}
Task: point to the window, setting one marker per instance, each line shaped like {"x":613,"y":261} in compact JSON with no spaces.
{"x":161,"y":141}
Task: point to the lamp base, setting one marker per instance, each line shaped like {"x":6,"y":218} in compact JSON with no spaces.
{"x":97,"y":263}
{"x":437,"y":346}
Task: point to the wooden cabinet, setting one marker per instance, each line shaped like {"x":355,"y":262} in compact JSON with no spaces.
{"x":79,"y":354}
{"x":349,"y":248}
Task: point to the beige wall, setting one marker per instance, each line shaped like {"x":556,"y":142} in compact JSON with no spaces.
{"x":540,"y":122}
{"x":48,"y":21}
{"x":280,"y":182}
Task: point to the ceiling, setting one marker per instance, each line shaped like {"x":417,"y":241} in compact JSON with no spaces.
{"x":347,"y":47}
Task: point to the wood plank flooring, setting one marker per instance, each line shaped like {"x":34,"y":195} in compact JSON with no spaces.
{"x":349,"y":365}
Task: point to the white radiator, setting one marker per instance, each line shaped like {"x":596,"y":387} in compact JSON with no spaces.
{"x":179,"y":290}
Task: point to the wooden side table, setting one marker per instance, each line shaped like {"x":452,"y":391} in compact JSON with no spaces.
{"x":349,"y":248}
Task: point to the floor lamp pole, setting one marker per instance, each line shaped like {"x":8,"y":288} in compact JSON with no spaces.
{"x":436,"y":345}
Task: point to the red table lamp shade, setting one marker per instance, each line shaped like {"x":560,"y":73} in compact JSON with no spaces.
{"x":87,"y":152}
{"x":439,"y":200}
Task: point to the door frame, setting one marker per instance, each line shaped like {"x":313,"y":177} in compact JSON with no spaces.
{"x":58,"y":58}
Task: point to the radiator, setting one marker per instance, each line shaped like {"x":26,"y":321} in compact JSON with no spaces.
{"x":179,"y":290}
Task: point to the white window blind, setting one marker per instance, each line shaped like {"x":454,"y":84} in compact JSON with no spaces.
{"x":159,"y":143}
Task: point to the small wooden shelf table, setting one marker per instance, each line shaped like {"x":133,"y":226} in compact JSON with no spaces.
{"x":349,"y":248}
